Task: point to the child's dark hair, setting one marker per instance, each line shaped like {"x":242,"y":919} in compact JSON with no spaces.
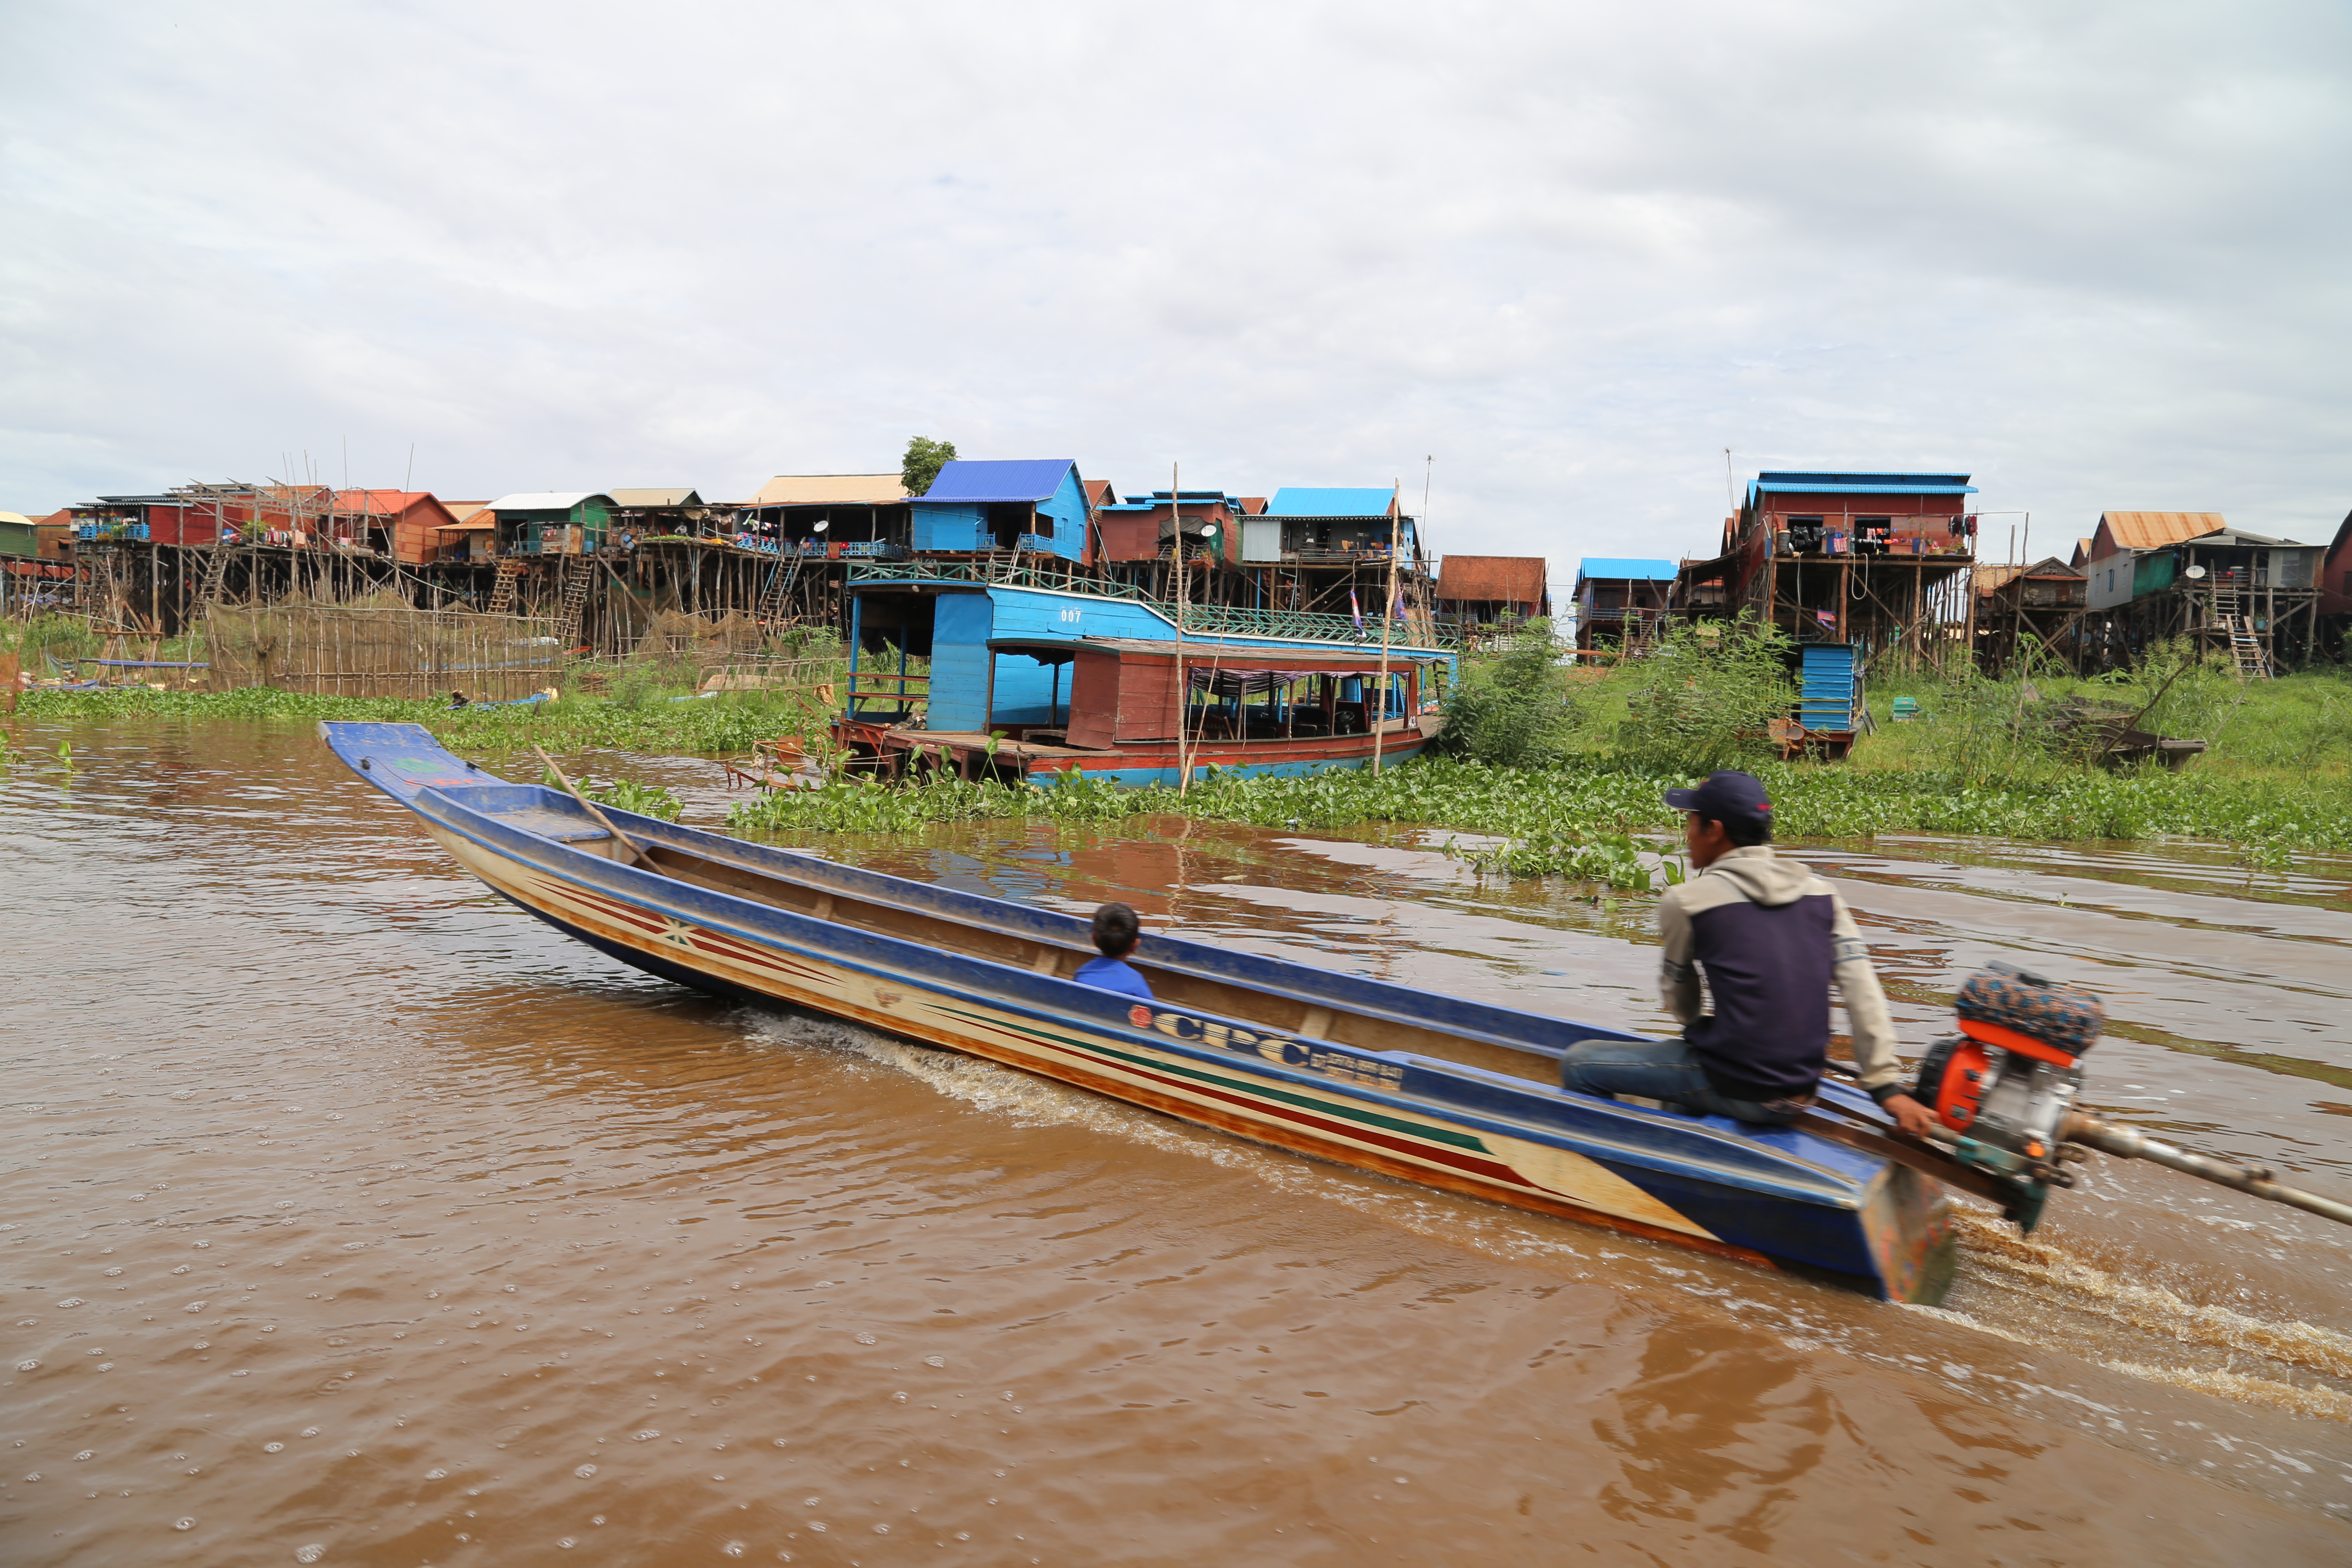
{"x":1116,"y":930}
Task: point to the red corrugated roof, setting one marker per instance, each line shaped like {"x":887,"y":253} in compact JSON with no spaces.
{"x":1511,"y":579}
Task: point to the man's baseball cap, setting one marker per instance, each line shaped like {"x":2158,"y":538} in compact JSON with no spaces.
{"x":1729,"y":795}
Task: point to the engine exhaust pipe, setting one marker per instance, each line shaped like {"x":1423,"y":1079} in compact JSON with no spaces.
{"x":2131,"y":1143}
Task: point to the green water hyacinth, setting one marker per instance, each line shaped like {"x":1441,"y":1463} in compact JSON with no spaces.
{"x":1610,"y":823}
{"x":628,"y":794}
{"x":1586,"y":838}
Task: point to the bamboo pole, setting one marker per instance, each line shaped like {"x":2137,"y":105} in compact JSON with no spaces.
{"x":1388,"y":605}
{"x":1183,"y":678}
{"x":603,"y":821}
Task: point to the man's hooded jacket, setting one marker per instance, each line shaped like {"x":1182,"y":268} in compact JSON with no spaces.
{"x":1771,"y":938}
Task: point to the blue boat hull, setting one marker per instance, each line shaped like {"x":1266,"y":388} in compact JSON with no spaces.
{"x":1442,"y":1092}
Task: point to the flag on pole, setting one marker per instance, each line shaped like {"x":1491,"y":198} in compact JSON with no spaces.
{"x":1827,"y":618}
{"x":1354,"y":612}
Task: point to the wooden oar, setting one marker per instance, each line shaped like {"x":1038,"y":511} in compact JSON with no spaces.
{"x":627,"y":843}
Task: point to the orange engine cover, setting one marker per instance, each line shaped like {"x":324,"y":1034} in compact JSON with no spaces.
{"x":1959,"y":1091}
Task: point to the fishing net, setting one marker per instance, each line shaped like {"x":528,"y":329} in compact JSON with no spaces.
{"x":381,"y":646}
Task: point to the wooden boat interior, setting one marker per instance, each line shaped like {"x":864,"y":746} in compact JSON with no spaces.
{"x":1288,"y":999}
{"x":1175,"y":970}
{"x":1419,"y":1082}
{"x":809,"y":886}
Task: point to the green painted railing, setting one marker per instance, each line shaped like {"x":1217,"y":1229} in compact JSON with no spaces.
{"x":993,"y":573}
{"x":1232,"y":620}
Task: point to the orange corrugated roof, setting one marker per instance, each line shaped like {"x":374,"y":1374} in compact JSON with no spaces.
{"x":830,"y":489}
{"x":2153,"y":530}
{"x":1512,"y":579}
{"x":379,"y":503}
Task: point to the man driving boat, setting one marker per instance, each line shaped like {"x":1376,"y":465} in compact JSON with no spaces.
{"x":1771,"y":938}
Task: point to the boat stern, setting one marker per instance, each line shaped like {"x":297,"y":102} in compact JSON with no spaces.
{"x":1906,"y":1224}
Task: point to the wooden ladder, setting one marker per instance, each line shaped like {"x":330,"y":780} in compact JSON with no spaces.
{"x":2237,"y":627}
{"x":574,"y":603}
{"x":776,"y":590}
{"x":502,"y":586}
{"x":208,"y":588}
{"x":2246,"y":648}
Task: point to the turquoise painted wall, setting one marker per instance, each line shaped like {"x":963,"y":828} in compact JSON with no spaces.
{"x":951,"y":527}
{"x":960,"y":662}
{"x":1025,"y":689}
{"x":1067,"y":508}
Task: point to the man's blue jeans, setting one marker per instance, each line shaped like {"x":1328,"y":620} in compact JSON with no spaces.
{"x":1655,"y":1069}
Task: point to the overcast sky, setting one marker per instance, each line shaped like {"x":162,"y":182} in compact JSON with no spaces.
{"x":2096,"y":255}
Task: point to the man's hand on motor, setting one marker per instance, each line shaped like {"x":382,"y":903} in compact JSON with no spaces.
{"x":1909,"y":1115}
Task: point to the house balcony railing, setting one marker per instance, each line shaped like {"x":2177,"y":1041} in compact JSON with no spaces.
{"x":1835,"y":546}
{"x":809,"y":549}
{"x":1334,"y":557}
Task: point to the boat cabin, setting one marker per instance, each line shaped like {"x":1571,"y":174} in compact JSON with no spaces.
{"x":1121,"y":692}
{"x":1142,"y":711}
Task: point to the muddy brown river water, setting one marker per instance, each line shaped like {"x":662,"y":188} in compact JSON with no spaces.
{"x":351,"y":1216}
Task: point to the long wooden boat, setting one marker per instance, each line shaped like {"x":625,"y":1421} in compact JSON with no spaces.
{"x":1453,"y":1093}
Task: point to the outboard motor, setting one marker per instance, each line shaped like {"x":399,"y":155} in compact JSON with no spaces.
{"x":2004,"y":1092}
{"x":2005,"y":1084}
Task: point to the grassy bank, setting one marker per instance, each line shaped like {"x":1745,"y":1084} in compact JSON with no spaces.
{"x":1566,"y":774}
{"x":1579,"y":795}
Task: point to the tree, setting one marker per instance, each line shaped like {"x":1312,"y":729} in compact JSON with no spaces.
{"x":924,"y":459}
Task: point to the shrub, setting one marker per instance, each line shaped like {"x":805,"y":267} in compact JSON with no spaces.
{"x":1514,"y":712}
{"x":1699,"y":702}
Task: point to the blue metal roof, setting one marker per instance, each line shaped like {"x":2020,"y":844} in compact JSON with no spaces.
{"x":1784,"y":483}
{"x":1869,"y":489}
{"x":1159,"y":498}
{"x":1023,"y":480}
{"x":1292,"y":500}
{"x":1617,"y":566}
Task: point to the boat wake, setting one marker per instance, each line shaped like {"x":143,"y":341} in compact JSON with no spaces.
{"x":2047,"y":1274}
{"x":2033,"y":1278}
{"x":1001,"y":1090}
{"x":2028,"y":1279}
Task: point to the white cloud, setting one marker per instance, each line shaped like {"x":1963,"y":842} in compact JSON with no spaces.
{"x":2091,"y":253}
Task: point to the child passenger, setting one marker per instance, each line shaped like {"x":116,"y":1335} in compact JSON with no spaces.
{"x":1116,"y":932}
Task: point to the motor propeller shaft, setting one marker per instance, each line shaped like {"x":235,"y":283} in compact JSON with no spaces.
{"x":2131,"y":1143}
